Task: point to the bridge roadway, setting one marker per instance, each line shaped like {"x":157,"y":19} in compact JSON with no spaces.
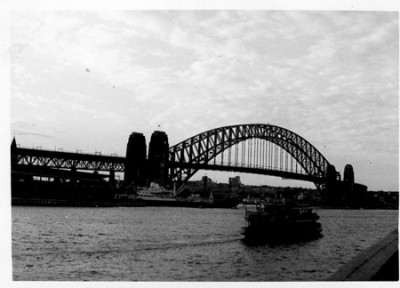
{"x":69,"y":160}
{"x":80,"y":161}
{"x":252,"y":170}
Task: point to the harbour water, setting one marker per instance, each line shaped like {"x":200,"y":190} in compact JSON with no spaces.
{"x":179,"y":244}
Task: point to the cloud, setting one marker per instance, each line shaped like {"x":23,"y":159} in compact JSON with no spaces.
{"x":330,"y":76}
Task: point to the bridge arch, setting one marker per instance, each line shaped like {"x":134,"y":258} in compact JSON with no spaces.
{"x":186,"y":157}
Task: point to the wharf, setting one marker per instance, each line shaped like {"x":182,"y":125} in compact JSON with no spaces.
{"x":380,"y":262}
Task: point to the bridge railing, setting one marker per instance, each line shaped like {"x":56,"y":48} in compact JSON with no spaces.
{"x":61,"y":151}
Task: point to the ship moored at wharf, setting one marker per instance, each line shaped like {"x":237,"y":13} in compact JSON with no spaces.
{"x":281,"y":222}
{"x":156,"y":195}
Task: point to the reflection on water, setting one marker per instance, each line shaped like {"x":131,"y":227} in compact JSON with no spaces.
{"x":185,"y":244}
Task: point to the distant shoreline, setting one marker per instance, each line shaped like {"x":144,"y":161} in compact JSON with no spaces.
{"x":138,"y":203}
{"x":74,"y":203}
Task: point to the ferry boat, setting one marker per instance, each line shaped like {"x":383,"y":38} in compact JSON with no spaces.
{"x":281,"y":222}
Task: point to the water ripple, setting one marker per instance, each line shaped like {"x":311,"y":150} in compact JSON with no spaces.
{"x":179,"y":244}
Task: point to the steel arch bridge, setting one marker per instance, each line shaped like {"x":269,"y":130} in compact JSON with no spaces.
{"x":253,"y":148}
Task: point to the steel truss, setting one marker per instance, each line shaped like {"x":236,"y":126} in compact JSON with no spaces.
{"x":68,"y":160}
{"x":192,"y":154}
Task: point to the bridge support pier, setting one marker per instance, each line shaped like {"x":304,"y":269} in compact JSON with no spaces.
{"x":112,"y":179}
{"x":158,"y":159}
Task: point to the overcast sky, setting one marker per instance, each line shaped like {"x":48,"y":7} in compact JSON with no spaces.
{"x":87,"y":79}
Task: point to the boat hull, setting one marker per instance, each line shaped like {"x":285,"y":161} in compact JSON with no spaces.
{"x":169,"y":203}
{"x":283,"y":231}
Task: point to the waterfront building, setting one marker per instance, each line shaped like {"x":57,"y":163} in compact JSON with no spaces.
{"x":234,"y":182}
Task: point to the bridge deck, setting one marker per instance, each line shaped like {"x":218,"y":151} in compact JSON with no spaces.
{"x":253,"y":170}
{"x":68,"y":160}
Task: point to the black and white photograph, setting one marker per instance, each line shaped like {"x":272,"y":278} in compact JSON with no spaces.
{"x":204,"y":144}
